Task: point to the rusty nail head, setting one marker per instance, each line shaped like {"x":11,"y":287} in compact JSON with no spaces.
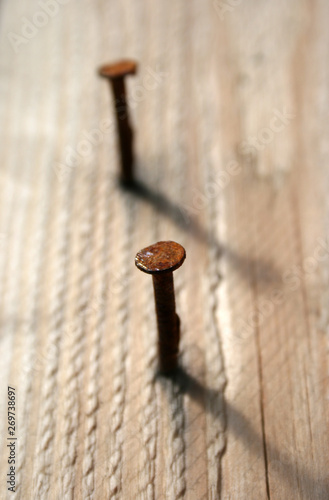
{"x":118,"y":69}
{"x":162,"y":257}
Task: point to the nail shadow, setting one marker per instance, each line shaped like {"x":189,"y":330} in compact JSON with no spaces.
{"x":238,"y":424}
{"x":167,"y":208}
{"x":267,"y":274}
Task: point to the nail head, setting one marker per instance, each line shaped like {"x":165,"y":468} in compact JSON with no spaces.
{"x":164,"y":256}
{"x":118,"y":69}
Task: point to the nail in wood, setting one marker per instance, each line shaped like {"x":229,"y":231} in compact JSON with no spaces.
{"x":116,"y":74}
{"x":160,"y":260}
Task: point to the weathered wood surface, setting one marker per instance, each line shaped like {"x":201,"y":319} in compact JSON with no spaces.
{"x":230,"y":107}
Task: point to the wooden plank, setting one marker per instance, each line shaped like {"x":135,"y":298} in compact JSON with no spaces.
{"x":230,"y":110}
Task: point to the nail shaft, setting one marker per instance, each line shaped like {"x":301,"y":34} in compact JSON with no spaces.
{"x":115,"y":74}
{"x":124,"y":129}
{"x":167,"y":320}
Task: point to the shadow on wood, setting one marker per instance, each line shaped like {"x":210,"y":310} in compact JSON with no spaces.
{"x":267,"y":274}
{"x":236,"y":423}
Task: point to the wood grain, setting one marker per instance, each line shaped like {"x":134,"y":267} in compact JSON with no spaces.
{"x":230,"y":109}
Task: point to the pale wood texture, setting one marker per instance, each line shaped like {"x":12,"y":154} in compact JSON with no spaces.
{"x":224,"y":86}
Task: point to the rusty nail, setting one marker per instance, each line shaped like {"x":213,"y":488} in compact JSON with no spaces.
{"x":115,"y":74}
{"x":160,"y":260}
